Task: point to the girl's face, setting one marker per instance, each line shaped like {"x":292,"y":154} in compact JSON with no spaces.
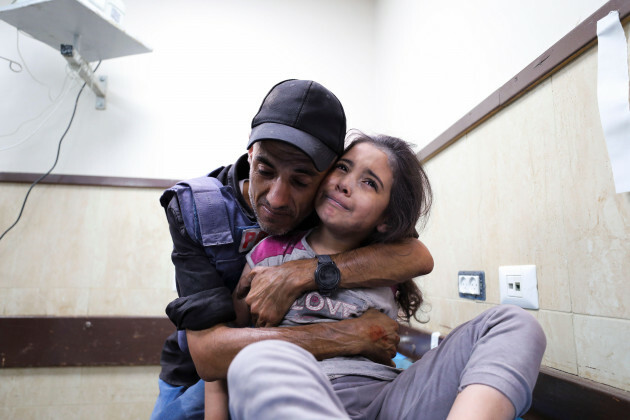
{"x":353,"y":198}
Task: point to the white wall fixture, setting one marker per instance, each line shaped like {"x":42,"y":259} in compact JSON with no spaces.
{"x":471,"y":285}
{"x":87,"y":32}
{"x":612,"y":96}
{"x":518,"y":285}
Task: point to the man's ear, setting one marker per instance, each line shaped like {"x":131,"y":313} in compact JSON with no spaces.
{"x":249,"y":154}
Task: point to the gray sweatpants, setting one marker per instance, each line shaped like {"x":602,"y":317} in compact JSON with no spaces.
{"x":501,"y":348}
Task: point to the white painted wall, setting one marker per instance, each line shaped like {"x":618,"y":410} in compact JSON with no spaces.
{"x":186,"y":107}
{"x":438,"y":60}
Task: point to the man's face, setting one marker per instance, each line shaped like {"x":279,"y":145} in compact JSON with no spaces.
{"x":282,"y":185}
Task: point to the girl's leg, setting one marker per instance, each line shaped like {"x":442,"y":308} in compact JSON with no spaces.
{"x":278,"y":380}
{"x":501,"y":349}
{"x":216,"y":400}
{"x":481,"y":402}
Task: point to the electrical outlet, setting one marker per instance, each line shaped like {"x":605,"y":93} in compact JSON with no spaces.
{"x":471,"y":285}
{"x":463,"y":284}
{"x":518,"y":285}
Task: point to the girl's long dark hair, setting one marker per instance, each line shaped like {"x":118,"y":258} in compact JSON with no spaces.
{"x":408,"y":208}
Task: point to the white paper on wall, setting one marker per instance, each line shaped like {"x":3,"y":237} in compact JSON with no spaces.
{"x":613,"y":90}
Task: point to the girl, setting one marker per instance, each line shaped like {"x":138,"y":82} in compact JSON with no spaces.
{"x":376,"y":192}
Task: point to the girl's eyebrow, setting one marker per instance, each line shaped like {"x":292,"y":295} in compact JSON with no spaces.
{"x":346,"y":160}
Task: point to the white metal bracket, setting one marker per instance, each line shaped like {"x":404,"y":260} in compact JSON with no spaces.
{"x":84,"y":70}
{"x":101,"y":101}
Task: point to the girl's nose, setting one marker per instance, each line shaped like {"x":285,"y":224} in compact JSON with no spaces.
{"x":342,"y":186}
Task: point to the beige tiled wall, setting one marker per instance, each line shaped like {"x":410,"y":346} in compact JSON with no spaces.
{"x":78,"y":393}
{"x":533,"y":185}
{"x":82,"y":251}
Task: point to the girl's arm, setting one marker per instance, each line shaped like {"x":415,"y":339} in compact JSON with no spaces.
{"x":243,"y":316}
{"x":215,"y":392}
{"x":216,"y":400}
{"x":271,"y":291}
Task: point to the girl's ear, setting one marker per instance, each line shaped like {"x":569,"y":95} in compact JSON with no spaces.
{"x":382,"y":227}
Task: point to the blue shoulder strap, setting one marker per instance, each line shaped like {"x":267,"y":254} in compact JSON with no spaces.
{"x":209,"y":219}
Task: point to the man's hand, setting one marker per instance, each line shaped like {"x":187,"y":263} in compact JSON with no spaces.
{"x":373,"y":334}
{"x":382,"y":335}
{"x":271,"y":291}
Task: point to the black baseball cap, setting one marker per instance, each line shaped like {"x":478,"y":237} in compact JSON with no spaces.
{"x":305,"y":114}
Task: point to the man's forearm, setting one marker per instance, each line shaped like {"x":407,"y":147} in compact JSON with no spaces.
{"x":384,"y":264}
{"x":375,"y":265}
{"x":213,"y":350}
{"x":372,"y":335}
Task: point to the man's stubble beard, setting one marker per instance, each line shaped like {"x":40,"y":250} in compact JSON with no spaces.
{"x":268,"y":229}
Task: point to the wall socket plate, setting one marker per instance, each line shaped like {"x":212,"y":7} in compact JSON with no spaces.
{"x":518,"y":285}
{"x":471,"y":285}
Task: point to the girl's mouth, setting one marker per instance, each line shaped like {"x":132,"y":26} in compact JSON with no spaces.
{"x":336,"y":202}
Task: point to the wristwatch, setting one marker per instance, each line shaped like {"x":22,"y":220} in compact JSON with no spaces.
{"x":327,"y":275}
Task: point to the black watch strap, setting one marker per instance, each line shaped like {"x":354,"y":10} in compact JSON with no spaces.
{"x":324,"y":259}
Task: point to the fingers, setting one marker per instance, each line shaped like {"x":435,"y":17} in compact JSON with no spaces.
{"x":243,"y":286}
{"x":267,"y":319}
{"x":385,"y":358}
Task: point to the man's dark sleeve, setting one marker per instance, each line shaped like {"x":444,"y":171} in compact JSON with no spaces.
{"x":204,"y":299}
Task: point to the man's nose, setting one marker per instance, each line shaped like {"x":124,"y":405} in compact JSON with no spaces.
{"x":279,"y":194}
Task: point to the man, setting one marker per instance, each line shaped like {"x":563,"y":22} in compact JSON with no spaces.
{"x":297,"y":135}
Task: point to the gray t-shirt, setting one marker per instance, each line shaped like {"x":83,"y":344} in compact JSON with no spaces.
{"x":311,"y":307}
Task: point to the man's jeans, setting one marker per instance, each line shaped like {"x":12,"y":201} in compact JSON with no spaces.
{"x":179,"y":402}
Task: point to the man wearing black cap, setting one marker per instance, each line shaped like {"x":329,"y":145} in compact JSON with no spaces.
{"x":297,"y":135}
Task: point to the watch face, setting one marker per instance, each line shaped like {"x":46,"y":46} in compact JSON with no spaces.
{"x":328,"y":276}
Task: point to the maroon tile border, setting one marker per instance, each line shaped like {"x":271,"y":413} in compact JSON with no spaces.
{"x":111,"y":181}
{"x":560,"y":54}
{"x":82,"y":341}
{"x":560,"y":395}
